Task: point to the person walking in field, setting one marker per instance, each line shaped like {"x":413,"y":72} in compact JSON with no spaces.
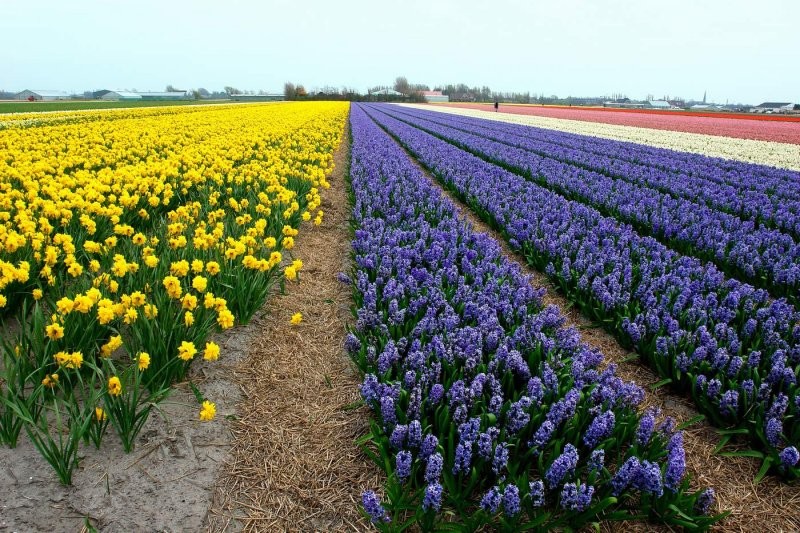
{"x":496,"y":106}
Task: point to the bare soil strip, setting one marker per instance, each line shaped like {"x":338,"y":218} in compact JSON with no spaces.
{"x":294,"y":465}
{"x":767,"y":506}
{"x":163,"y":485}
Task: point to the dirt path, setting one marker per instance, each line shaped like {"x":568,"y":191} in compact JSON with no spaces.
{"x":768,"y":506}
{"x":294,"y":464}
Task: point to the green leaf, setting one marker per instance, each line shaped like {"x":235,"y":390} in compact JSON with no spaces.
{"x":744,"y":453}
{"x":692,"y":421}
{"x":736,"y":431}
{"x":765,"y":466}
{"x":722,"y":442}
{"x":197,"y":394}
{"x":661,"y":383}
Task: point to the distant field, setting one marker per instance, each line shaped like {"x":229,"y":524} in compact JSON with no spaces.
{"x":33,"y":107}
{"x":776,"y":128}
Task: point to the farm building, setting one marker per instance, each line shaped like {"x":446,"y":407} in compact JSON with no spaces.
{"x":660,"y":104}
{"x":773,"y":107}
{"x":625,"y":105}
{"x":120,"y":95}
{"x":41,"y":95}
{"x":387,"y":92}
{"x":435,"y":96}
{"x":171,"y":95}
{"x":258,"y":97}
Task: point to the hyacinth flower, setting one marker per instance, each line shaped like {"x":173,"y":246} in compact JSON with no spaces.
{"x":463,"y":366}
{"x":768,"y":196}
{"x":762,"y":256}
{"x":702,"y":332}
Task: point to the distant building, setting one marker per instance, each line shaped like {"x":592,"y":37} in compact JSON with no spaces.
{"x":626,"y":105}
{"x":774,"y":107}
{"x":119,"y":95}
{"x":434,"y":96}
{"x":41,"y":95}
{"x":387,"y":92}
{"x":660,"y":104}
{"x":275,"y":97}
{"x":704,"y":107}
{"x":171,"y":95}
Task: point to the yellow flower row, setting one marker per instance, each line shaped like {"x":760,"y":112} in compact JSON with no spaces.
{"x":140,"y":231}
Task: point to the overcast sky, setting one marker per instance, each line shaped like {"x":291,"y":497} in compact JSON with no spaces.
{"x":737,"y":50}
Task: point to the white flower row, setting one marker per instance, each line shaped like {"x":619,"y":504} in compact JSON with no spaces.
{"x":776,"y":154}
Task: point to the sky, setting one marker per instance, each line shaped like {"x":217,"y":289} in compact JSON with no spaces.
{"x":736,"y":50}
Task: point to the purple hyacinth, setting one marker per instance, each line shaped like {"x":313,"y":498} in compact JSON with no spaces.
{"x":624,"y":476}
{"x":597,"y":460}
{"x":433,"y":497}
{"x":429,"y":444}
{"x":789,"y":456}
{"x":648,"y":478}
{"x":511,"y":503}
{"x":433,"y":470}
{"x":463,"y":459}
{"x":600,"y":428}
{"x":563,"y":466}
{"x":714,"y":387}
{"x":352,"y":344}
{"x":372,"y":505}
{"x":576,"y":497}
{"x":542,"y":435}
{"x":705,"y":501}
{"x":500,"y":459}
{"x":370,"y":390}
{"x":537,"y":492}
{"x":676,"y":462}
{"x":414,"y":434}
{"x":774,"y":428}
{"x":403,"y":464}
{"x":646,"y":426}
{"x":485,"y":444}
{"x":729,"y":405}
{"x":398,"y":436}
{"x":436,"y":394}
{"x":491,"y":500}
{"x":518,"y":417}
{"x":387,"y":411}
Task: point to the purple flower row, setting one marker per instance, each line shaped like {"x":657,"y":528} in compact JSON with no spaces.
{"x":725,"y":341}
{"x":766,"y":195}
{"x":761,"y":256}
{"x":486,"y":405}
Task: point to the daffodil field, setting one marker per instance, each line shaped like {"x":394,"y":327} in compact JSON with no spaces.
{"x":127,"y":239}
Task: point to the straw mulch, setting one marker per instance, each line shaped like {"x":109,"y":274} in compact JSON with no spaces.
{"x":769,"y":506}
{"x":294,"y":464}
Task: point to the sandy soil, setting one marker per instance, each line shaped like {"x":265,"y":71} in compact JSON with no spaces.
{"x":163,"y":485}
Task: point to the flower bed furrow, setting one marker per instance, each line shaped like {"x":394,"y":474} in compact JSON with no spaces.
{"x":763,"y":257}
{"x":487,"y":410}
{"x":737,"y":352}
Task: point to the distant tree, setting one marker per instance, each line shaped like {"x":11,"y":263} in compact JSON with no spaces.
{"x":172,"y":89}
{"x":401,"y":85}
{"x":289,"y":91}
{"x":203,"y":92}
{"x":301,"y":91}
{"x":196,"y":94}
{"x":230,"y":91}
